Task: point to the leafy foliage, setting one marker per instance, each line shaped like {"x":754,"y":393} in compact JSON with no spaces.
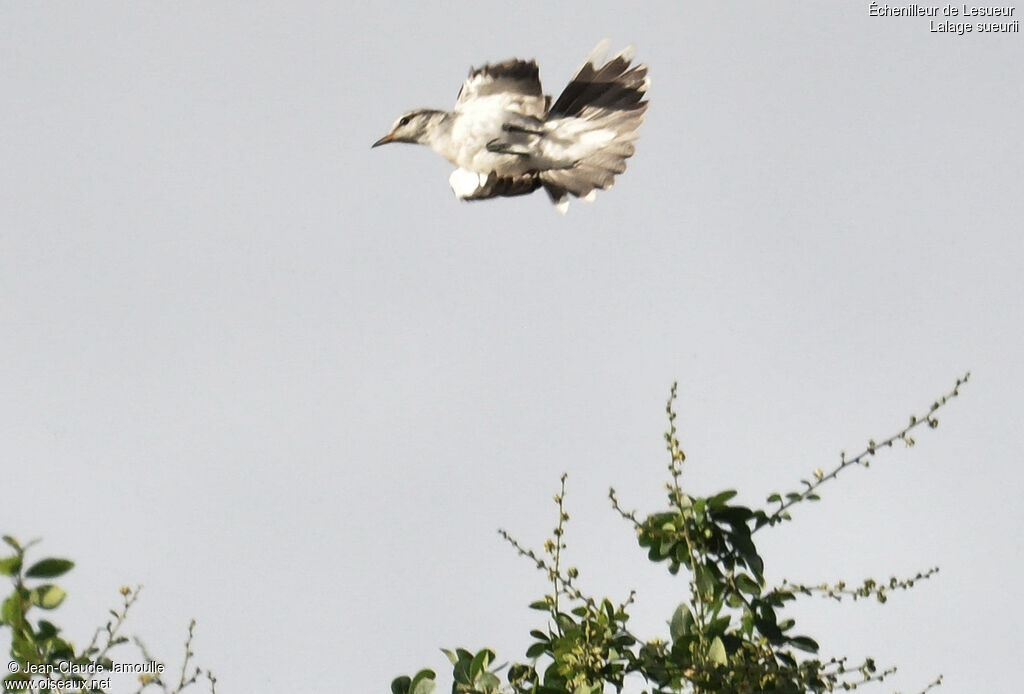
{"x":42,"y":657}
{"x":731,"y":637}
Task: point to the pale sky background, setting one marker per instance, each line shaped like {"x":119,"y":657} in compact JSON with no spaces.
{"x":293,"y":387}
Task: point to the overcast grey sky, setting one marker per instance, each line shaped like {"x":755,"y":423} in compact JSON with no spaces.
{"x":292,"y":386}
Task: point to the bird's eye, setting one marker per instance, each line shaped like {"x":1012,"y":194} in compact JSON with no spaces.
{"x":404,"y":121}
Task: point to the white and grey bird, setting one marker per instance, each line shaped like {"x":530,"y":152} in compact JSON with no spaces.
{"x":508,"y":138}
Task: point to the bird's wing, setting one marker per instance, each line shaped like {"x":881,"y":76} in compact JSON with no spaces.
{"x":511,"y":85}
{"x":614,"y":84}
{"x":469,"y":185}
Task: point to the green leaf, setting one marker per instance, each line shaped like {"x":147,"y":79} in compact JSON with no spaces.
{"x":460,"y":673}
{"x":47,"y":596}
{"x":11,"y":565}
{"x":10,"y":610}
{"x":23,"y":649}
{"x":718,"y":500}
{"x":747,"y":624}
{"x":519,"y":672}
{"x":735,"y":515}
{"x":682,"y":555}
{"x":718,"y":626}
{"x":59,"y":649}
{"x":400,"y":685}
{"x":12,"y":542}
{"x":665,"y":548}
{"x":804,"y":643}
{"x":682,"y":622}
{"x":565,"y":622}
{"x":479,"y":664}
{"x":50,"y":568}
{"x":451,"y":656}
{"x":536,"y":650}
{"x":717,"y":652}
{"x":704,"y":578}
{"x":17,"y":677}
{"x":774,"y":498}
{"x":747,"y":585}
{"x":488,"y":682}
{"x":765,"y":623}
{"x":46,"y":629}
{"x":541,"y":605}
{"x":746,"y":549}
{"x":423,"y":682}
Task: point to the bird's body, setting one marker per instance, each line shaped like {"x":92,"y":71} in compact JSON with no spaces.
{"x":507,"y":138}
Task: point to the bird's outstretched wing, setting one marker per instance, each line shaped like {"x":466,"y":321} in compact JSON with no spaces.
{"x":614,"y":84}
{"x":511,"y":85}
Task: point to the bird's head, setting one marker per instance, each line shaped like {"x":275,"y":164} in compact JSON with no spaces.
{"x":414,"y":126}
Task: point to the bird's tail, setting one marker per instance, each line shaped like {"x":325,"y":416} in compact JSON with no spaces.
{"x":591,"y":127}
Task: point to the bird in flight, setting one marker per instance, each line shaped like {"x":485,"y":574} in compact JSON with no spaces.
{"x":507,"y":138}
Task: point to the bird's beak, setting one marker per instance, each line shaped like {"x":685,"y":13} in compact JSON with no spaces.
{"x":383,"y":141}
